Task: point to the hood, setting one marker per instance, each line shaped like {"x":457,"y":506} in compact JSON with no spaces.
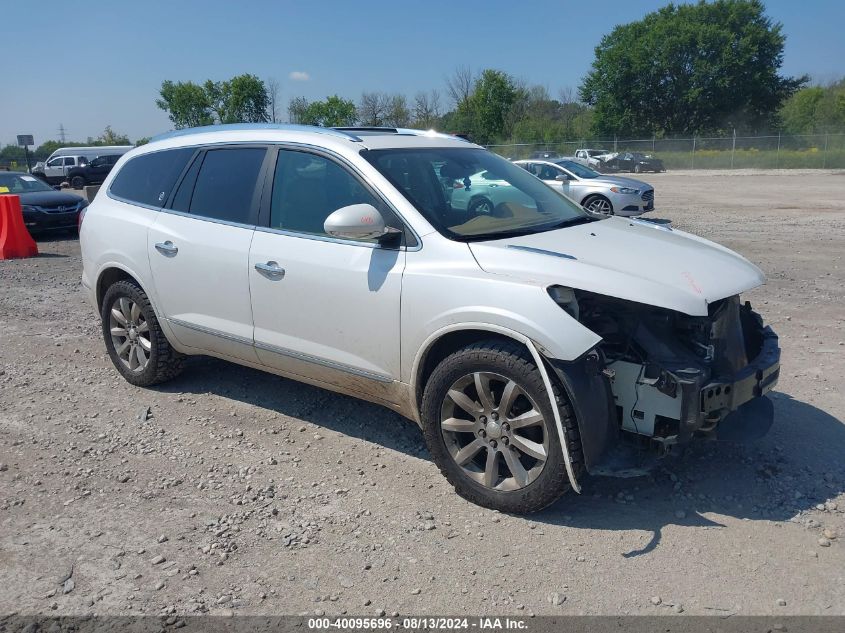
{"x":49,"y":198}
{"x":627,"y":259}
{"x":620,"y":181}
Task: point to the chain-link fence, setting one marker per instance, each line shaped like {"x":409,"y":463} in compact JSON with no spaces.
{"x":809,"y":151}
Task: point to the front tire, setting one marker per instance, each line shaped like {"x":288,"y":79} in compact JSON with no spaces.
{"x":598,"y":204}
{"x":490,"y":428}
{"x":134,"y":339}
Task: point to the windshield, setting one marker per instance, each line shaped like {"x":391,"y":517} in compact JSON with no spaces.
{"x":595,"y":152}
{"x":578,"y":169}
{"x":471,"y":194}
{"x":21,"y":183}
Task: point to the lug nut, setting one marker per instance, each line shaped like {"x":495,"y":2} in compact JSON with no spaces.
{"x":493,"y":443}
{"x":494,"y":415}
{"x":483,"y":419}
{"x":482,"y":433}
{"x":506,"y":427}
{"x":505,"y":441}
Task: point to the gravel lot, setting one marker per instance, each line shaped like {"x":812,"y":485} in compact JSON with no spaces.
{"x":230,"y":490}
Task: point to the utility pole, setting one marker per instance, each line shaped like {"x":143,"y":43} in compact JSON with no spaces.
{"x":62,"y":134}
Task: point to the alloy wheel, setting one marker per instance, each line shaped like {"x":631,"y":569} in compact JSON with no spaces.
{"x":494,"y":431}
{"x":130,"y":334}
{"x":600,"y":205}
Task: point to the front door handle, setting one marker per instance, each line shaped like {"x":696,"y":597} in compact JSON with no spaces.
{"x":167,"y":248}
{"x":271,"y":270}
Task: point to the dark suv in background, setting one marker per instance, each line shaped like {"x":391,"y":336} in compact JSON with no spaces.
{"x":92,"y":173}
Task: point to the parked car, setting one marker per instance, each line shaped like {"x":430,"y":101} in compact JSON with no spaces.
{"x":590,"y":157}
{"x":92,"y":173}
{"x":54,"y":170}
{"x":524,"y":339}
{"x":633,"y":161}
{"x":43,"y":207}
{"x":480,"y":193}
{"x":598,"y":193}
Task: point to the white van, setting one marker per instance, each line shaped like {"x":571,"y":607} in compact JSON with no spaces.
{"x":57,"y":165}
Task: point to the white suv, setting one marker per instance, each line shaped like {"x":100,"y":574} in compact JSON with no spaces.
{"x":527,"y":338}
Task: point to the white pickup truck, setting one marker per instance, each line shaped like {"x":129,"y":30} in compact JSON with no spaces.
{"x":54,"y":170}
{"x":591,"y":158}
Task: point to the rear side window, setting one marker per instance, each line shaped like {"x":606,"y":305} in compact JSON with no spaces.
{"x":148,"y":179}
{"x":225,"y":184}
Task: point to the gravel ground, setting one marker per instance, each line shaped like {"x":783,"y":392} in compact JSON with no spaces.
{"x":230,"y":490}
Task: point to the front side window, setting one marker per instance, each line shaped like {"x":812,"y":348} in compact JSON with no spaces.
{"x":578,"y":169}
{"x":308,"y":188}
{"x":147,"y":179}
{"x":472,"y":194}
{"x":56,"y":162}
{"x":225,"y":184}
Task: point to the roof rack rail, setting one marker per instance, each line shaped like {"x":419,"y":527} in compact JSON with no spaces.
{"x":404,"y":131}
{"x":367,"y":128}
{"x":234,"y":127}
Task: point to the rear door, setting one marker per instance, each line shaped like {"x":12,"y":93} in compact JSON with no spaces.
{"x":199,"y":251}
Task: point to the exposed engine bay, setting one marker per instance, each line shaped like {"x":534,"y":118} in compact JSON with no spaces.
{"x":674,"y":376}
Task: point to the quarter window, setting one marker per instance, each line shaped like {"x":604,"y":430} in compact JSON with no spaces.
{"x":307,"y":188}
{"x":148,"y":179}
{"x":225,"y":184}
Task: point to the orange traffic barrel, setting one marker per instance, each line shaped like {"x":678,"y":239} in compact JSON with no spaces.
{"x":15,"y":240}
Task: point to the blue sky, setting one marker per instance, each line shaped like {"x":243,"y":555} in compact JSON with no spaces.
{"x":86,"y":69}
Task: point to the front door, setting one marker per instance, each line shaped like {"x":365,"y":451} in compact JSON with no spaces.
{"x":324,"y":308}
{"x":199,"y":252}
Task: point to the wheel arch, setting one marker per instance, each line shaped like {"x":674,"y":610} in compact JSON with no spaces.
{"x":111,"y":274}
{"x":596,"y":195}
{"x":587,"y":389}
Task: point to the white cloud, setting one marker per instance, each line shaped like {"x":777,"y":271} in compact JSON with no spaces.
{"x":299,"y":75}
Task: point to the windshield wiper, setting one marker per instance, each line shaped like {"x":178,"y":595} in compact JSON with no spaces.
{"x":542,"y":228}
{"x":586,"y":219}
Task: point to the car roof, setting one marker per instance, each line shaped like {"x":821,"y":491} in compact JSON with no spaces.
{"x":366,"y":137}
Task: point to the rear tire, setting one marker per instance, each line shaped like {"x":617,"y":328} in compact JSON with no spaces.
{"x":134,"y":339}
{"x":505,"y":455}
{"x":482,"y":206}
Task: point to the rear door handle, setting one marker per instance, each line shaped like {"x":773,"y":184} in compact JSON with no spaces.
{"x":271,"y":270}
{"x":167,"y":248}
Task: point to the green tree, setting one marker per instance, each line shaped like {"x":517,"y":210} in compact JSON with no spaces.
{"x":690,"y":68}
{"x":489,"y":109}
{"x":186,"y":103}
{"x":333,"y":112}
{"x":297,"y":108}
{"x":815,"y":110}
{"x":241,"y":99}
{"x":398,"y":113}
{"x":110,"y":137}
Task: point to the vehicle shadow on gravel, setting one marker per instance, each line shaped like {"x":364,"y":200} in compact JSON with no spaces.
{"x":303,"y":402}
{"x":796,"y":467}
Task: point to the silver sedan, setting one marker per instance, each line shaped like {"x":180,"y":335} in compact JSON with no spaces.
{"x":599,"y":193}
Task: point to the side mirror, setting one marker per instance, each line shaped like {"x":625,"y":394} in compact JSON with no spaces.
{"x":357,"y":222}
{"x":562,"y":178}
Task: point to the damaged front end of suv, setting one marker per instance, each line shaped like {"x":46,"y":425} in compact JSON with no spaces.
{"x":673,"y":376}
